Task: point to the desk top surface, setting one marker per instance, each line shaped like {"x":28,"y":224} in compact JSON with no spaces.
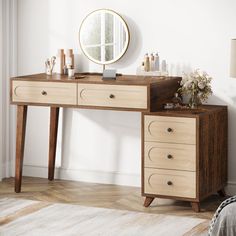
{"x":97,"y":79}
{"x":200,"y":110}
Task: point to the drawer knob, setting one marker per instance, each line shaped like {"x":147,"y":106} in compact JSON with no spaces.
{"x":44,"y":93}
{"x":112,"y":96}
{"x":169,"y":130}
{"x":169,"y":183}
{"x":169,"y":156}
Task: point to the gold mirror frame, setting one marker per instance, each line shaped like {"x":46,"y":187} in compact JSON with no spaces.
{"x":127,"y":32}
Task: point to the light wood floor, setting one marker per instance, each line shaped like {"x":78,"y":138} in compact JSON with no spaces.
{"x":100,"y":195}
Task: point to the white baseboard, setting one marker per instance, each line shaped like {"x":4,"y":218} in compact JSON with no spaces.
{"x":85,"y":175}
{"x":2,"y":174}
{"x":6,"y":170}
{"x":98,"y":177}
{"x":231,"y":188}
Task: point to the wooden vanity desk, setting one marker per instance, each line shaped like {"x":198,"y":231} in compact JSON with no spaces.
{"x":127,"y":93}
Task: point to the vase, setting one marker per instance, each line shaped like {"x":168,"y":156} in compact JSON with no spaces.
{"x":194,"y":101}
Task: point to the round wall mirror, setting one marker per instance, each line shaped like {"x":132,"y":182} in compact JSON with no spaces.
{"x":104,"y":36}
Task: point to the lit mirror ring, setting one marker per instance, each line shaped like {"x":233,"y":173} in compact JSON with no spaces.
{"x":104,"y":36}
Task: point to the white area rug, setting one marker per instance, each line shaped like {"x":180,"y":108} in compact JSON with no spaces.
{"x":33,"y":218}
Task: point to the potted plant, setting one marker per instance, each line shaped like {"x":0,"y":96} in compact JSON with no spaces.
{"x":197,"y":85}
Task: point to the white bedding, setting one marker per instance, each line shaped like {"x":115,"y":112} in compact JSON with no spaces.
{"x":225,"y":224}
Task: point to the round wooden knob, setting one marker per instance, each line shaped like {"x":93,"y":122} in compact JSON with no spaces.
{"x":169,"y":183}
{"x":169,"y":130}
{"x":44,"y":93}
{"x":169,"y":156}
{"x":112,"y":96}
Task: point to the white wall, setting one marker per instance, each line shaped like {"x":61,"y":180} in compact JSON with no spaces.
{"x":104,"y":146}
{"x":8,"y":68}
{"x":1,"y":98}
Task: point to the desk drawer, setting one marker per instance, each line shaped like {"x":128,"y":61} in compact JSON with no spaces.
{"x":170,"y":129}
{"x":170,"y":156}
{"x":44,"y":92}
{"x":123,"y":96}
{"x":170,"y":182}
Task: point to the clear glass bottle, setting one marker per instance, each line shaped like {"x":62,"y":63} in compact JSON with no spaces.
{"x":69,"y":58}
{"x":177,"y":100}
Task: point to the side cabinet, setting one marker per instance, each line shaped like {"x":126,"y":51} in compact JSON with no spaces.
{"x":184,"y":154}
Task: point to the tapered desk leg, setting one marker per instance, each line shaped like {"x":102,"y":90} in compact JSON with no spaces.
{"x":20,"y":143}
{"x":148,"y":201}
{"x":54,"y":115}
{"x":196,"y":206}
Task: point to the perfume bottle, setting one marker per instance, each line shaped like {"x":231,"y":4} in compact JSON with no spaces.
{"x":146,"y":62}
{"x":152,"y":63}
{"x":177,"y":101}
{"x":156,"y":62}
{"x":69,"y":58}
{"x":60,"y":62}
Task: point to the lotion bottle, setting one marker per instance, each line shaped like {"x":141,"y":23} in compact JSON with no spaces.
{"x":146,"y":63}
{"x":60,"y":62}
{"x":163,"y":66}
{"x":156,"y":62}
{"x":69,"y":59}
{"x":152,"y":64}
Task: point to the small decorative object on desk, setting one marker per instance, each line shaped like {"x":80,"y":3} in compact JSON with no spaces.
{"x":60,"y":62}
{"x":169,"y":105}
{"x":176,"y":99}
{"x":109,"y":74}
{"x":147,"y":60}
{"x":49,"y":64}
{"x":197,"y":85}
{"x":71,"y":72}
{"x":150,"y":66}
{"x":175,"y":104}
{"x":69,"y":58}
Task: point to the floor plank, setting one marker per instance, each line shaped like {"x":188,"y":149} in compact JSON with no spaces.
{"x":101,"y":195}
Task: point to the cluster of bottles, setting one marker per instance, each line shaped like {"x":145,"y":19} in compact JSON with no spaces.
{"x":152,"y":63}
{"x":64,"y":61}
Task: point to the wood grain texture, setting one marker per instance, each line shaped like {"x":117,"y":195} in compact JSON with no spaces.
{"x":170,"y":182}
{"x":199,"y":230}
{"x":20,"y":143}
{"x":170,"y":156}
{"x":157,"y":87}
{"x":42,"y":92}
{"x":97,"y":79}
{"x":211,"y":149}
{"x":148,"y":201}
{"x":131,"y":93}
{"x":161,"y":93}
{"x":195,"y":206}
{"x":54,"y":117}
{"x":126,"y":96}
{"x":105,"y":196}
{"x":24,"y":211}
{"x":170,"y":129}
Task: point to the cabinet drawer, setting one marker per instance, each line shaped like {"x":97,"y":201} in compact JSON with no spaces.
{"x":170,"y":182}
{"x":170,"y":156}
{"x":170,"y":129}
{"x":122,"y":96}
{"x":44,"y":92}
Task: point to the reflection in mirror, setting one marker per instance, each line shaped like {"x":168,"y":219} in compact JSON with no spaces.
{"x":104,"y":36}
